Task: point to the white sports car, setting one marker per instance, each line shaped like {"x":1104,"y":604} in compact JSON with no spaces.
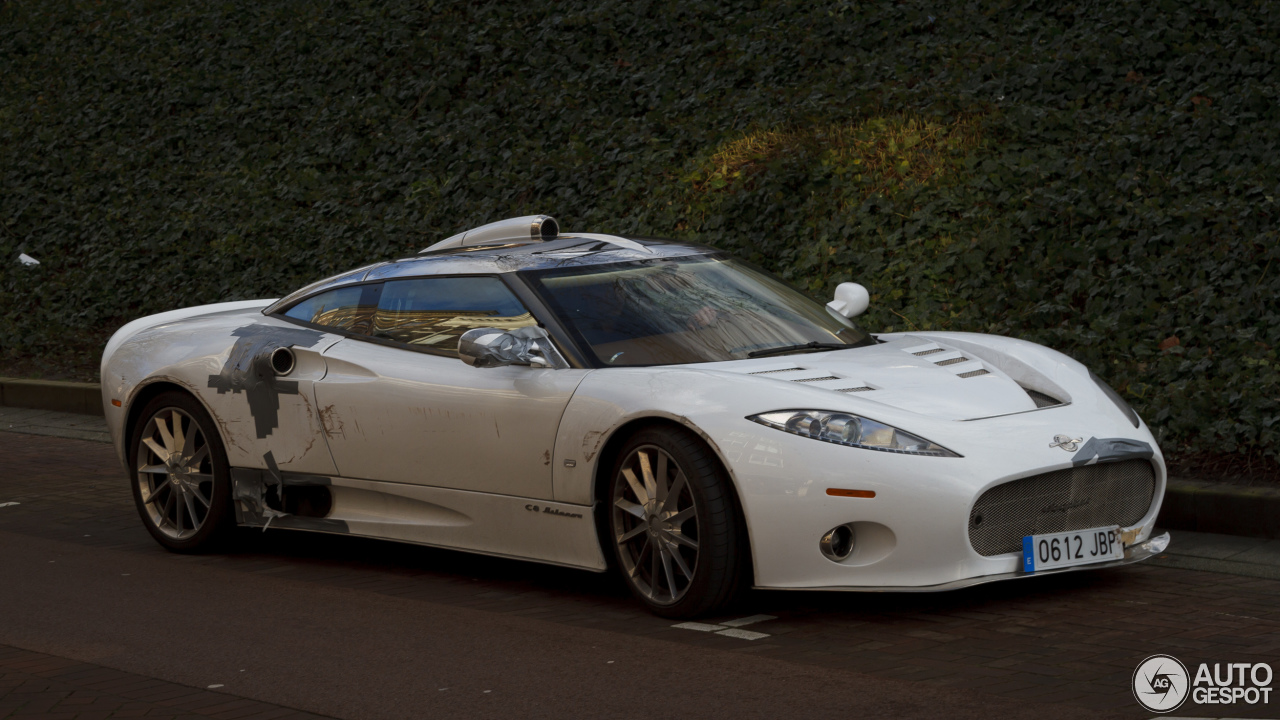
{"x":592,"y":400}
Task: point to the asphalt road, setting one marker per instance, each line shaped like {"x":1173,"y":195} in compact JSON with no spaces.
{"x":353,"y":628}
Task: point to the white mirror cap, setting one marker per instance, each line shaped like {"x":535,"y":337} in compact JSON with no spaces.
{"x":851,"y":300}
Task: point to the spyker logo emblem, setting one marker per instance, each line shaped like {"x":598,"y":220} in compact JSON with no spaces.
{"x":1066,"y":442}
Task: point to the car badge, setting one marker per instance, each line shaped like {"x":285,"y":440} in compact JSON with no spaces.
{"x":1066,"y":442}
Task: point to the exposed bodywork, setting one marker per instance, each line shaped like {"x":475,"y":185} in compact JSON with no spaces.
{"x":382,"y":441}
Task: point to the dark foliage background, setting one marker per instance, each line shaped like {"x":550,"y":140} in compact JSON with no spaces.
{"x":1100,"y":177}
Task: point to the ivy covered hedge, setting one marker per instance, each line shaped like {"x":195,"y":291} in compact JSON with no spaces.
{"x":1101,"y":177}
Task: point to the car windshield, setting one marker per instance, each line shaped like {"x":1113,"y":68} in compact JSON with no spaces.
{"x":687,"y":310}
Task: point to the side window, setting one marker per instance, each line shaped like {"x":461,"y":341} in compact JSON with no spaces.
{"x":346,"y":308}
{"x":434,"y":312}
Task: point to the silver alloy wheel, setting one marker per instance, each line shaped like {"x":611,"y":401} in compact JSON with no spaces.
{"x":175,"y":473}
{"x":655,"y":524}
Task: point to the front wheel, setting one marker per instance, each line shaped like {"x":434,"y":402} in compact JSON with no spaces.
{"x":674,"y":524}
{"x":180,"y":476}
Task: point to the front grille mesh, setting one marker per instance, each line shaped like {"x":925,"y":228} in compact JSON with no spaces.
{"x":1118,"y":493}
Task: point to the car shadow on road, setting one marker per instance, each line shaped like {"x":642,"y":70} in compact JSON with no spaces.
{"x":457,"y":576}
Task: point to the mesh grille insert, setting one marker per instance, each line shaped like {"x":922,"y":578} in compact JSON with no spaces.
{"x":1043,"y":400}
{"x":974,"y":373}
{"x":829,"y":377}
{"x":930,"y":352}
{"x":952,"y":361}
{"x":864,"y":388}
{"x":770,"y":372}
{"x":1118,"y":493}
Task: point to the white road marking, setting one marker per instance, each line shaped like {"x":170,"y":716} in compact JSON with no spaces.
{"x":748,"y":620}
{"x":730,"y":628}
{"x":700,"y":627}
{"x":743,"y":634}
{"x":214,"y":686}
{"x":8,"y":504}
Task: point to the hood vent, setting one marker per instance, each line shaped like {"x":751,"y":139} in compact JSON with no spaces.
{"x":1041,"y":399}
{"x":830,"y":382}
{"x":973,"y":368}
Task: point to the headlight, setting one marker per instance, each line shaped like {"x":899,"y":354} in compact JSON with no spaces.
{"x":851,"y":430}
{"x":1115,"y":398}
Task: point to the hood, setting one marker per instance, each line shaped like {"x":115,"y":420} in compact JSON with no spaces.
{"x":920,"y":375}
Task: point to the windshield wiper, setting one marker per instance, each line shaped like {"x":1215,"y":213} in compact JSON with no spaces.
{"x":793,"y":348}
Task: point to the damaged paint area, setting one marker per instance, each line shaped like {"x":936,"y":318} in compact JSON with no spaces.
{"x":269,"y":497}
{"x":248,"y":370}
{"x":1097,"y":450}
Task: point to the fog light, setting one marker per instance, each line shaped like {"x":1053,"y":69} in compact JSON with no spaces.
{"x":837,"y":544}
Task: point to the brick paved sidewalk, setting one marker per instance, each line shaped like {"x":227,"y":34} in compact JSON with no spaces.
{"x":56,"y":424}
{"x":34,"y":685}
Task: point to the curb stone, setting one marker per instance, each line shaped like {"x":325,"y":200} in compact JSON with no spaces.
{"x":1217,"y":508}
{"x":72,"y":397}
{"x":1188,"y":504}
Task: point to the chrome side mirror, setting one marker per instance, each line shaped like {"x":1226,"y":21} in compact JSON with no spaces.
{"x":492,"y":347}
{"x":851,"y":300}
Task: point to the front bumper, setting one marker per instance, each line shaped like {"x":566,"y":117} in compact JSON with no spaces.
{"x":1132,"y":554}
{"x":913,"y":534}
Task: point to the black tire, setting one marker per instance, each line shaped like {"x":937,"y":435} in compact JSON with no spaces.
{"x":719,"y":564}
{"x":172,"y":506}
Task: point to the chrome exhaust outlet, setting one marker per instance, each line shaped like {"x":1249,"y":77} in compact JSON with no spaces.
{"x":282,"y":361}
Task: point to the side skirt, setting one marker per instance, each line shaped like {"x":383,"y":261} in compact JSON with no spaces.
{"x":501,"y":525}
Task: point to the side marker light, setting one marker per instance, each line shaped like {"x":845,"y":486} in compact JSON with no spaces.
{"x":841,"y":492}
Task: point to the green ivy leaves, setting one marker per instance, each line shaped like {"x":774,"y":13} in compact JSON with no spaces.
{"x":1096,"y":177}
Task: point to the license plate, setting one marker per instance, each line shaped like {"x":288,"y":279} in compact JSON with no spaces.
{"x":1076,"y":547}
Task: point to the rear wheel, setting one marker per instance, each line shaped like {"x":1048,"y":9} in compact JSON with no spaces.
{"x":180,"y":476}
{"x":674,"y":524}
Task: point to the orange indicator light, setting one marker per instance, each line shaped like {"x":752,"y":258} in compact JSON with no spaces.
{"x":115,"y":402}
{"x":841,"y":492}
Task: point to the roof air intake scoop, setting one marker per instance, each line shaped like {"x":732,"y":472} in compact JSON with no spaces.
{"x":530,"y":228}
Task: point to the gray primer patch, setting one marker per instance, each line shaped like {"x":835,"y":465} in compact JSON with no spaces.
{"x":248,"y":370}
{"x":1110,"y":449}
{"x":249,"y":489}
